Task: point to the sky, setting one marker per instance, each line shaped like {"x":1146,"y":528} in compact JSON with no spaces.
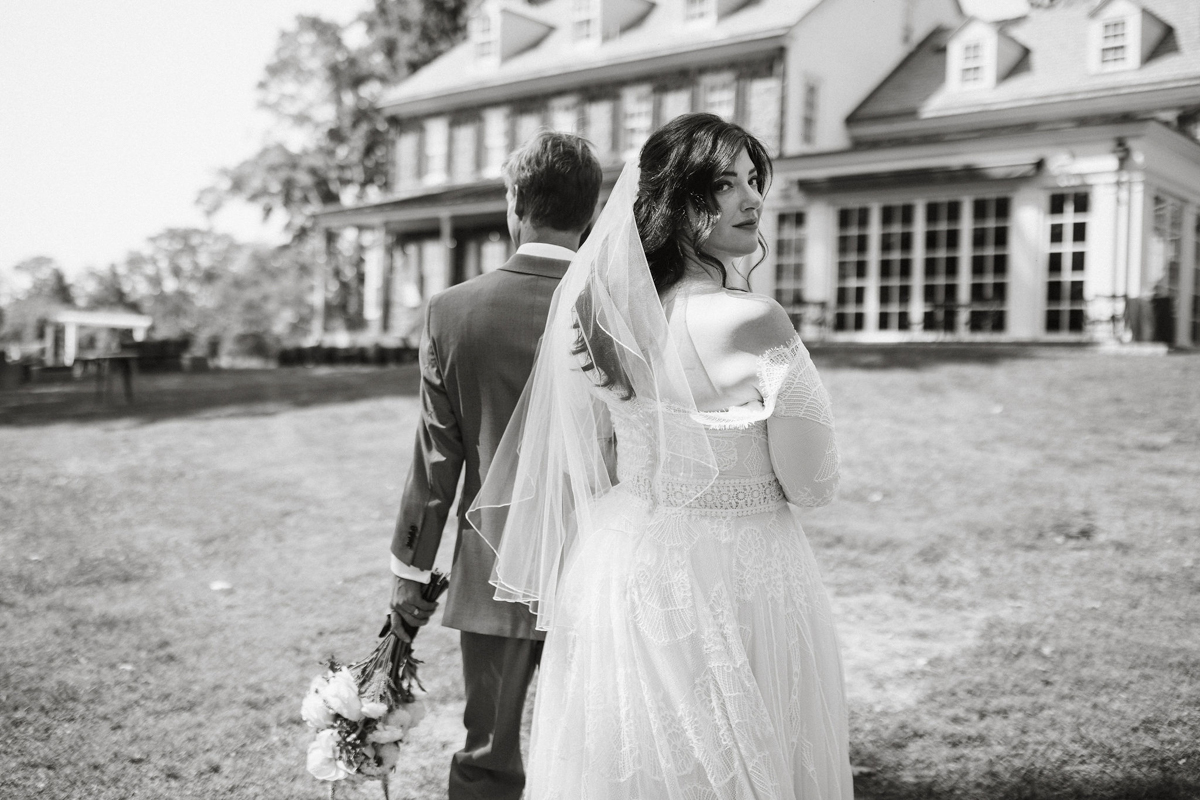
{"x":114,"y":114}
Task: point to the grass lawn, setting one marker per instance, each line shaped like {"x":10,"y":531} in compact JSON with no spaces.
{"x":1013,"y":562}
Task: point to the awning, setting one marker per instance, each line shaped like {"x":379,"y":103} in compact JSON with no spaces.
{"x":425,"y":206}
{"x":924,"y":176}
{"x":429,"y":205}
{"x":117,"y":320}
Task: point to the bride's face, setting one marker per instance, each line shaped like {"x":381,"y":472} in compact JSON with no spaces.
{"x":738,"y":192}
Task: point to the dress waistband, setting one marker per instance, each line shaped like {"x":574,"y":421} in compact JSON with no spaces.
{"x":736,"y":496}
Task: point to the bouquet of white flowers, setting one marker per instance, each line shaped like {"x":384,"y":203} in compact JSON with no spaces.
{"x":362,"y":712}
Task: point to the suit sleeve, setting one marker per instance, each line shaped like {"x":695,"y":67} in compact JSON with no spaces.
{"x":436,"y":464}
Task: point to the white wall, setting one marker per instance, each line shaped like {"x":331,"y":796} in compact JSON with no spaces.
{"x":849,"y":47}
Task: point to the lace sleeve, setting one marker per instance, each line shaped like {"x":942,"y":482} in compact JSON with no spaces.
{"x":799,"y":426}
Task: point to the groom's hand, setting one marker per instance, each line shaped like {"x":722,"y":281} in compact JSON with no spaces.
{"x":408,"y":606}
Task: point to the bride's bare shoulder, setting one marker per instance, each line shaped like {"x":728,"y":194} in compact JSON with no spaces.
{"x":731,"y":331}
{"x":740,"y":322}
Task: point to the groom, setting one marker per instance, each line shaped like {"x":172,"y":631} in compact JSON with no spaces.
{"x":477,"y":351}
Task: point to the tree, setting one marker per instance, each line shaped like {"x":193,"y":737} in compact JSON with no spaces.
{"x":108,"y":288}
{"x":329,"y":144}
{"x":263,"y":302}
{"x":176,"y":279}
{"x":41,"y":289}
{"x":43,"y":278}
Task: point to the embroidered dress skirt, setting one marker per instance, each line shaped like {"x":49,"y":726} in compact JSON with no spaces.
{"x":692,"y":657}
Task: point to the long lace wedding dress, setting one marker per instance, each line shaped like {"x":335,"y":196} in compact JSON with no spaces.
{"x":692,"y":655}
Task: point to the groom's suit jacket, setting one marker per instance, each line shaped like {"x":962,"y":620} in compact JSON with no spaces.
{"x":477,"y":351}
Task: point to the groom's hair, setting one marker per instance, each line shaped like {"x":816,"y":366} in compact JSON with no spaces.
{"x":557,"y":181}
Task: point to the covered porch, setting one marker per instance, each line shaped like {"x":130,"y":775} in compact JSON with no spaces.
{"x":413,"y":247}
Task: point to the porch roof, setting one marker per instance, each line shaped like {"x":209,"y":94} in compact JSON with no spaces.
{"x":115,"y":319}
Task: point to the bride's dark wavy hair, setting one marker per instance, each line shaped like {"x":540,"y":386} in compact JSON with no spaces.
{"x":679,"y":165}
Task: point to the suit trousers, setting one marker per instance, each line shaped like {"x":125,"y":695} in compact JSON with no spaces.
{"x":496,"y":675}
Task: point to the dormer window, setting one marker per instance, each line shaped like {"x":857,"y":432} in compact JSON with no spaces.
{"x":979,"y":55}
{"x":699,"y":10}
{"x":585,"y":20}
{"x":707,"y":11}
{"x":482,"y":32}
{"x":1122,"y":35}
{"x":972,"y":63}
{"x":1112,"y":44}
{"x":499,"y":30}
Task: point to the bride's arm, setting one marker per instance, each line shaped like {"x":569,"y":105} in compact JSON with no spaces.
{"x":804,"y":455}
{"x":800,"y":434}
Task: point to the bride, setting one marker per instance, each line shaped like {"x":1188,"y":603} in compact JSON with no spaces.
{"x":671,"y":418}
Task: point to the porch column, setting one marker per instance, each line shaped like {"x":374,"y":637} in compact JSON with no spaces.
{"x":48,"y":343}
{"x":320,"y":276}
{"x":70,"y":342}
{"x":1187,"y":278}
{"x":373,"y":269}
{"x":446,"y":225}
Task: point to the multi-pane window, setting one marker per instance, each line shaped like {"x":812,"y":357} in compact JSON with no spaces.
{"x":789,"y":263}
{"x":564,"y":115}
{"x":853,"y":252}
{"x":528,"y":125}
{"x":943,"y":225}
{"x":637,"y":117}
{"x":435,"y":275}
{"x":1167,"y":265}
{"x":763,"y":110}
{"x":699,"y":9}
{"x":495,"y":140}
{"x":1067,"y":262}
{"x":808,"y":119}
{"x":585,"y":16}
{"x":989,"y":264}
{"x":1112,"y":43}
{"x":406,"y":276}
{"x":674,"y":102}
{"x":895,"y":266}
{"x":462,"y":151}
{"x":408,"y":159}
{"x":482,"y":33}
{"x":972,"y":63}
{"x":437,"y":149}
{"x":599,"y":126}
{"x":1168,"y":243}
{"x":719,"y":96}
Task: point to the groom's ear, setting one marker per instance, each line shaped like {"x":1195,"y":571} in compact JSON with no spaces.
{"x":519,"y":203}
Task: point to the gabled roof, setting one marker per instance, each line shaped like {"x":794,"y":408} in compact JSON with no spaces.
{"x":661,"y":32}
{"x":1055,"y":69}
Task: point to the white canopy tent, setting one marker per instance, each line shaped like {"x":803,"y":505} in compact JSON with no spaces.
{"x":72,"y":320}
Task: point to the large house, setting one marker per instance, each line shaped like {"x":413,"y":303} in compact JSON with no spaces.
{"x":938,"y":177}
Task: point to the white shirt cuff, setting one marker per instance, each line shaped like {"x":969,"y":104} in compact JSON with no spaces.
{"x":402,"y":570}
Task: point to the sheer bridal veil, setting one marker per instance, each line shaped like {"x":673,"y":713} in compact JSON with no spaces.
{"x":606,"y":347}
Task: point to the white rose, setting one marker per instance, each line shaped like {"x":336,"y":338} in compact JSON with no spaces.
{"x":387,"y":754}
{"x":313,"y":709}
{"x":400,"y":717}
{"x":374,"y":709}
{"x":340,"y":693}
{"x":322,"y":757}
{"x":393,"y":727}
